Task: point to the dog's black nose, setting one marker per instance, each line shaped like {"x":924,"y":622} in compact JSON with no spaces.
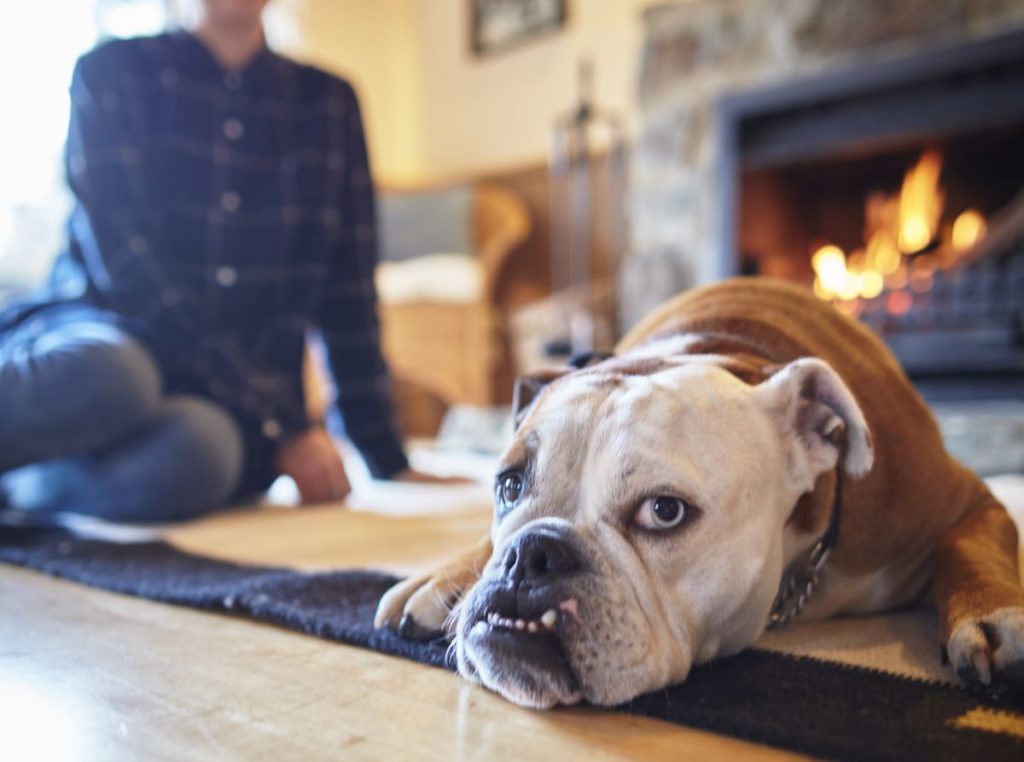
{"x":539,"y":556}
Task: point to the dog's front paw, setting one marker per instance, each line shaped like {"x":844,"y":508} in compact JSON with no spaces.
{"x":420,"y":607}
{"x":416,"y":608}
{"x":990,"y":648}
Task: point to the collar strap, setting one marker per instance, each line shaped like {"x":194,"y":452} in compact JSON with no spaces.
{"x":802,"y":577}
{"x":583,"y":359}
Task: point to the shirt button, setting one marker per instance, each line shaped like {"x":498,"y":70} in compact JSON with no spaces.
{"x":271,"y":429}
{"x":137,"y":245}
{"x":226,"y":276}
{"x":230,"y":201}
{"x":233,"y":129}
{"x":168,"y":77}
{"x":232,"y":80}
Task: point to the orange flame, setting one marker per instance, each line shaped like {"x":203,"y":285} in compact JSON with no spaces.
{"x":898,"y":229}
{"x":921,"y":202}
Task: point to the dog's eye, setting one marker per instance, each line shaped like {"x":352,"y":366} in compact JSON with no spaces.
{"x":661,"y":512}
{"x":510,"y":488}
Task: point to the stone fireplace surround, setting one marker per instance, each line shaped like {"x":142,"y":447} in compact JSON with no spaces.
{"x":699,"y":52}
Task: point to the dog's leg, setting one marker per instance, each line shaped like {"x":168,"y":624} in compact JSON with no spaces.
{"x":418,"y":608}
{"x":979,"y":596}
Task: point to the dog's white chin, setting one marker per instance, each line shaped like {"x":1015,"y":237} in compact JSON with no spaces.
{"x":527,"y":688}
{"x":539,"y":694}
{"x":532,"y":699}
{"x":543,"y":691}
{"x":533,"y":688}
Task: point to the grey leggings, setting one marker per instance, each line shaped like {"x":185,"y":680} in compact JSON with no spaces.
{"x":85,"y":427}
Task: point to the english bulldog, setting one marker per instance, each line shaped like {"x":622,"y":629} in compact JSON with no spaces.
{"x":747,"y":455}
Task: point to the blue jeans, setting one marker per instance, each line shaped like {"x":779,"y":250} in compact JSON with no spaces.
{"x":85,"y":427}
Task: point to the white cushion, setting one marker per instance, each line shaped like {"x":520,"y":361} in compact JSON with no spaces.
{"x":433,"y":278}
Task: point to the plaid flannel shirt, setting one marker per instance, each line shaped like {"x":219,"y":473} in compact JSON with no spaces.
{"x":221,"y":216}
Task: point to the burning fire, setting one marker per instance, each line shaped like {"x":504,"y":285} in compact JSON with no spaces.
{"x":904,"y":247}
{"x":921,"y":202}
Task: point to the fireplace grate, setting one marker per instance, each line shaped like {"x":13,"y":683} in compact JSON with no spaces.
{"x":969,"y":320}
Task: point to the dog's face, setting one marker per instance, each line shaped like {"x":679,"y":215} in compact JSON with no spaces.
{"x":639,"y":521}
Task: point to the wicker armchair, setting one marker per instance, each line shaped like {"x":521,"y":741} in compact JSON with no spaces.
{"x":454,"y":349}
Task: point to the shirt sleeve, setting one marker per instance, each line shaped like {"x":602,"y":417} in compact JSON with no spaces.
{"x":348,"y":319}
{"x":117,"y":222}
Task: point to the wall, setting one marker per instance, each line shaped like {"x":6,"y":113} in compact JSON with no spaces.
{"x":372,"y":43}
{"x":497,"y":111}
{"x":434,"y":110}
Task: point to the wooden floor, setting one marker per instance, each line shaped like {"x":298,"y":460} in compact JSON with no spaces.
{"x":94,"y":676}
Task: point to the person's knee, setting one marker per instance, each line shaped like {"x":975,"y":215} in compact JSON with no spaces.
{"x":134,"y":383}
{"x":77,"y":389}
{"x":186,"y":463}
{"x":204,"y":450}
{"x":96,"y":375}
{"x":125,"y":381}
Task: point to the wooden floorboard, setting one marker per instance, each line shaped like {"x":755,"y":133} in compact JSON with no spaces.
{"x":91,"y":675}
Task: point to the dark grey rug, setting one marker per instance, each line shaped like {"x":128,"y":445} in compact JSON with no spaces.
{"x":819,"y":708}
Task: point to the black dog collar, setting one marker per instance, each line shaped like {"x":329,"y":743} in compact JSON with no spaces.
{"x":802,"y":577}
{"x":583,"y":359}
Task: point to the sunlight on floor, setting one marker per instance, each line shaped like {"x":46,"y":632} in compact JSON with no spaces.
{"x":43,"y":722}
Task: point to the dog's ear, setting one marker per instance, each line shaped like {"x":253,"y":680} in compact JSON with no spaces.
{"x":529,"y":387}
{"x":818,"y":418}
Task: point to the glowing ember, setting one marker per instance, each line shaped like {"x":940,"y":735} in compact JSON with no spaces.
{"x":898,"y":279}
{"x":845,"y":278}
{"x":898,"y":303}
{"x":829,"y":263}
{"x":852,"y":307}
{"x":871,"y":284}
{"x":882,"y":253}
{"x":921,"y":282}
{"x":968,"y":228}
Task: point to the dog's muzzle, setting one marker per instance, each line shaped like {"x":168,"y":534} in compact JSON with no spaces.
{"x":524,"y":613}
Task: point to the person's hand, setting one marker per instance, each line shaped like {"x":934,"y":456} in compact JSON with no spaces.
{"x":411,"y":476}
{"x":313,"y":461}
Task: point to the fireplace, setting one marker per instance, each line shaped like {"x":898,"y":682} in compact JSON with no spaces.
{"x":896,"y":192}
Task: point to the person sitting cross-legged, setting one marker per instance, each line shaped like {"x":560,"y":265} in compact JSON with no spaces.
{"x":224,"y":211}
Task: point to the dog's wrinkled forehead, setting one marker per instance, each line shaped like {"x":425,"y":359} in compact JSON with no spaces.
{"x":571,"y":405}
{"x":620,"y":414}
{"x":570,"y":417}
{"x":619,"y":388}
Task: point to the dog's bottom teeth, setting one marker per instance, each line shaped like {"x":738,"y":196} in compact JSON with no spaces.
{"x":533,"y":626}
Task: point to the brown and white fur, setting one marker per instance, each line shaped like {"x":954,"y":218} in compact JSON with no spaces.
{"x":740,"y":400}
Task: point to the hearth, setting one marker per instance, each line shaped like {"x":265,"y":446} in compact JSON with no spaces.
{"x":896,"y":192}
